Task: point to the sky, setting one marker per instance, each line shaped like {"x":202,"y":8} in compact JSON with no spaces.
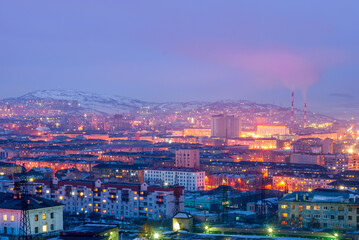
{"x":186,"y":50}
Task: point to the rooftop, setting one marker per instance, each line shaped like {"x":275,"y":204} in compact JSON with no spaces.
{"x":321,"y":196}
{"x":7,"y":201}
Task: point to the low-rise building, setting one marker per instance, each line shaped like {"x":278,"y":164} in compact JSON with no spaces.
{"x":191,"y":179}
{"x":91,"y":231}
{"x":113,"y":199}
{"x":8,"y":169}
{"x":45,"y":216}
{"x":301,"y":181}
{"x":346,"y":185}
{"x":322,"y":209}
{"x":121,"y":172}
{"x":336,"y":163}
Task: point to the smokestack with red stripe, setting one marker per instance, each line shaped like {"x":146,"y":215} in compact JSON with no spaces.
{"x":292,"y":109}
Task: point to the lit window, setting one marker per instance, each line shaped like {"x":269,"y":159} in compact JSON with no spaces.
{"x":284,"y":215}
{"x":5,"y":218}
{"x":316,"y":207}
{"x":12,"y":218}
{"x":284,"y":206}
{"x":44,"y":216}
{"x":36,"y":217}
{"x":308,"y":207}
{"x":44,"y":228}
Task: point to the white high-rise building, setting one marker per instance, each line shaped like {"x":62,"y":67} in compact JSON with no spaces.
{"x":225,"y":126}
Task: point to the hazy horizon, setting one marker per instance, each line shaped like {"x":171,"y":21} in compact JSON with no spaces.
{"x":185,"y":51}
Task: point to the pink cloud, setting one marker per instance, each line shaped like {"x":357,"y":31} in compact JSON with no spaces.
{"x":277,"y":67}
{"x":284,"y":67}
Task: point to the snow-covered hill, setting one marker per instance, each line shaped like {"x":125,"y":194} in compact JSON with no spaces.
{"x":112,"y":104}
{"x":89,"y":101}
{"x":117,"y":104}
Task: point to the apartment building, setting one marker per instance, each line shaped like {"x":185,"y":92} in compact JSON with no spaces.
{"x":117,"y":200}
{"x":191,"y":179}
{"x":321,"y":209}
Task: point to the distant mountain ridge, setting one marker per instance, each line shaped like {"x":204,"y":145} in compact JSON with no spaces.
{"x":112,"y":104}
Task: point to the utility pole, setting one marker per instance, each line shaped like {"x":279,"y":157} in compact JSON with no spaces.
{"x":25,"y":228}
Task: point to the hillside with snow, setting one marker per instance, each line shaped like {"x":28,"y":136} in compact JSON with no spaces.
{"x":113,"y":104}
{"x":117,"y":104}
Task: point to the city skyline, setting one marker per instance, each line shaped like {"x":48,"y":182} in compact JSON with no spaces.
{"x":199,"y":52}
{"x":124,"y":120}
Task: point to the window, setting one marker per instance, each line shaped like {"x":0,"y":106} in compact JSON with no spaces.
{"x":300,"y":208}
{"x":52,"y":215}
{"x":5,"y":218}
{"x":284,"y":215}
{"x":36,"y":230}
{"x":308,"y":207}
{"x":316,"y":207}
{"x":332,"y":217}
{"x":12,"y":218}
{"x":350,"y":218}
{"x":36,"y":218}
{"x":44,"y":228}
{"x":44,"y":216}
{"x":284,"y":206}
{"x":340,"y":217}
{"x":341,"y":209}
{"x":52,"y":227}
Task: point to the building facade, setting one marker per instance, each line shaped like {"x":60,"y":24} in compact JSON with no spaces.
{"x":319,"y":209}
{"x":187,"y":158}
{"x":225,"y":126}
{"x":291,"y":182}
{"x":191,"y":179}
{"x":116,"y":200}
{"x":45,"y":216}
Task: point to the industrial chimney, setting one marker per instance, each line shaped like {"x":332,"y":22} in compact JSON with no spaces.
{"x":292,"y":109}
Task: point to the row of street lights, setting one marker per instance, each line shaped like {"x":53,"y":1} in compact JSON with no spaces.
{"x":270,"y":231}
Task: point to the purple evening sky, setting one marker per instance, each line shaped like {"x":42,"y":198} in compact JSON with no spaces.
{"x":185,"y":50}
